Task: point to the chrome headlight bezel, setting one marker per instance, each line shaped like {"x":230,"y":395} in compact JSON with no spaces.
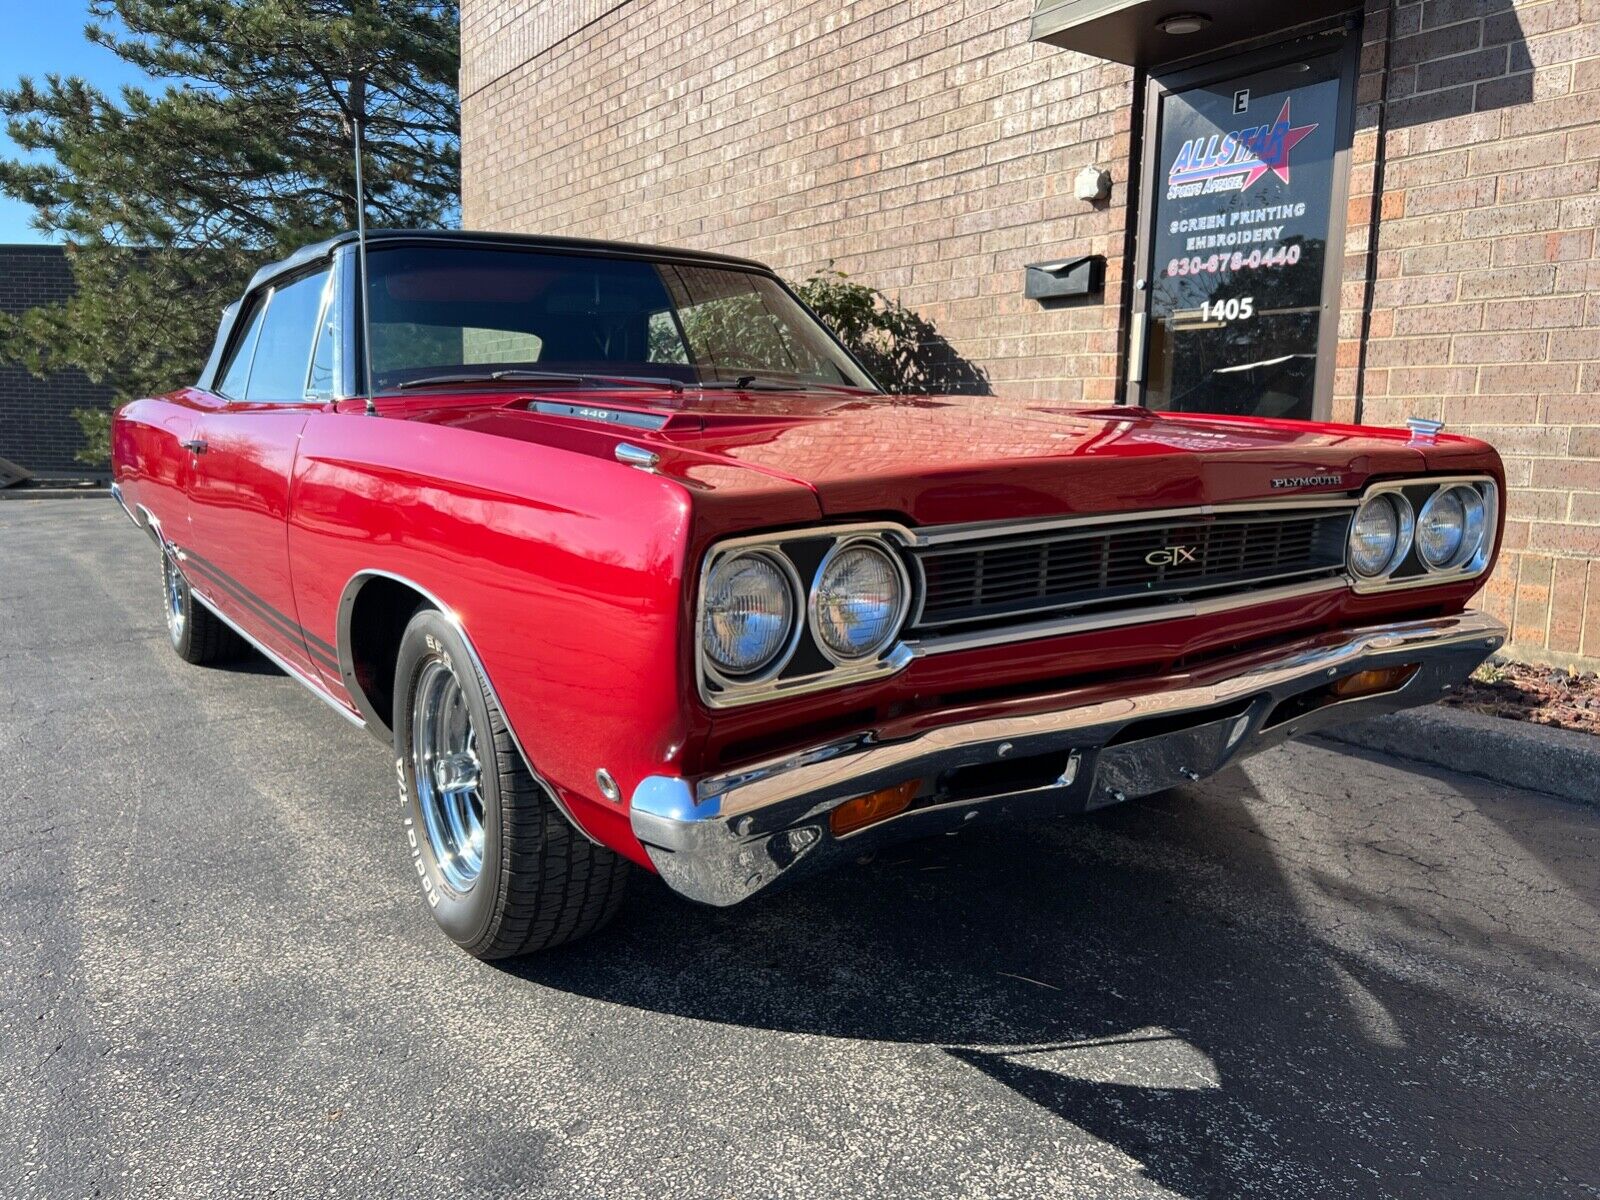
{"x":774,"y":663}
{"x":872,"y":545}
{"x":1411,"y":570}
{"x":1473,"y":527}
{"x":807,"y":665}
{"x":1404,"y":531}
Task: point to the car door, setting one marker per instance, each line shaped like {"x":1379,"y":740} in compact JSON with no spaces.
{"x":243,"y":461}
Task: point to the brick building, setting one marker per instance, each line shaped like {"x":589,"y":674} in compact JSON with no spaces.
{"x":37,"y":429}
{"x":1366,"y":216}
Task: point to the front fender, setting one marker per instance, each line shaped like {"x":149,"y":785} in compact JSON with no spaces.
{"x":564,"y":574}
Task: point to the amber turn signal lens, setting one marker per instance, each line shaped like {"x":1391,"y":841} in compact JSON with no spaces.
{"x":873,"y":807}
{"x":1369,"y":683}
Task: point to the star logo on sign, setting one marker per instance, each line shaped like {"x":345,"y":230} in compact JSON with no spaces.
{"x":1272,"y":150}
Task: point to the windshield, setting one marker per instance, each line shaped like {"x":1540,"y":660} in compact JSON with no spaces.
{"x":453,"y":310}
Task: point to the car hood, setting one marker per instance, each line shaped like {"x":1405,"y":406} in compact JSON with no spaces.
{"x":937,"y":459}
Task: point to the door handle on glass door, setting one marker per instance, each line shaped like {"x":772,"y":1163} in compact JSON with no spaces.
{"x":195,"y":446}
{"x":1137,"y":340}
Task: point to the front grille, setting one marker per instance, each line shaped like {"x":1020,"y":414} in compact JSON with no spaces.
{"x":990,"y":581}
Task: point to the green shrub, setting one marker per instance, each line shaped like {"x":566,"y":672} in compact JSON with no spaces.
{"x":880,"y":332}
{"x":902,"y":350}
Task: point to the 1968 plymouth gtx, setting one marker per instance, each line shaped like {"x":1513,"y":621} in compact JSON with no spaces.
{"x":634,"y":564}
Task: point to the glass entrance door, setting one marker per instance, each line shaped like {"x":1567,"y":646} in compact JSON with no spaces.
{"x":1244,"y":190}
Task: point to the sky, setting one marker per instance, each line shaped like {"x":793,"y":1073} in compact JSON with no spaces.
{"x":43,"y":37}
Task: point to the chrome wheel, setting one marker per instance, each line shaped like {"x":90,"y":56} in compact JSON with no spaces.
{"x":172,"y":589}
{"x":444,"y":763}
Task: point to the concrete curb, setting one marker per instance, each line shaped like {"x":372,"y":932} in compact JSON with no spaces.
{"x":1517,"y":753}
{"x":53,"y":493}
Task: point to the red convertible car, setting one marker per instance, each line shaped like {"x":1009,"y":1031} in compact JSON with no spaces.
{"x":635,"y":565}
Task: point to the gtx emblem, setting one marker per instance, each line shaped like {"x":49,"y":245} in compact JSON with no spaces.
{"x":1171,"y":556}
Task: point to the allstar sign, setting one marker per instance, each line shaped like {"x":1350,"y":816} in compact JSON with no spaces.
{"x":1273,"y":149}
{"x":1250,"y":152}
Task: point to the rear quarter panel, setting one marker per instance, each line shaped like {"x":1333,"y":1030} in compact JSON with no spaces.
{"x":148,"y":461}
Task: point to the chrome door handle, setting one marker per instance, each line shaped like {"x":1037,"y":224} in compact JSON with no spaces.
{"x":195,"y":446}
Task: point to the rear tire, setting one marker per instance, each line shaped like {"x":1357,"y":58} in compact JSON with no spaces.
{"x":503,"y":871}
{"x":196,"y":633}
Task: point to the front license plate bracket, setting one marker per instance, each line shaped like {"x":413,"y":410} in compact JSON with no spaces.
{"x":1126,"y":770}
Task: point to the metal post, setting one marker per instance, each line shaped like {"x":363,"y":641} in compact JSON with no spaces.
{"x":361,"y":271}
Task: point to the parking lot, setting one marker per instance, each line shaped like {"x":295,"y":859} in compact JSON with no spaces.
{"x":1323,"y":974}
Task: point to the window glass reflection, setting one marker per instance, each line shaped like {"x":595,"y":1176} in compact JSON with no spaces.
{"x":1240,"y":242}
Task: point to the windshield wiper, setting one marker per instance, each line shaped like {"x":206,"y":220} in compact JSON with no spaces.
{"x":757,"y":383}
{"x":513,"y":378}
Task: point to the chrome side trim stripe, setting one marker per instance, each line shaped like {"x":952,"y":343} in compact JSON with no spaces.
{"x":316,"y":649}
{"x":314,"y":642}
{"x":116,"y":494}
{"x":288,"y":669}
{"x":153,"y":527}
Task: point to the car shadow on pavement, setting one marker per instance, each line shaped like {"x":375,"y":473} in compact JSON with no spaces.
{"x":250,"y":662}
{"x":1146,"y":974}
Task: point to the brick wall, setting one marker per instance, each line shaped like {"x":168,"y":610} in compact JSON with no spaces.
{"x":928,"y":149}
{"x":923,"y":146}
{"x":1486,"y":303}
{"x":36,"y":425}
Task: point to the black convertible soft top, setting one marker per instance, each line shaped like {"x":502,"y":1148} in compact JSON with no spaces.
{"x":316,"y":251}
{"x":307,"y":255}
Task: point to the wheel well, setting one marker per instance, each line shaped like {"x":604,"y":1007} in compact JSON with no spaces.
{"x":377,"y":620}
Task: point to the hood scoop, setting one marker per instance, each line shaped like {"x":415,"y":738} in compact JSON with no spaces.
{"x":600,"y":414}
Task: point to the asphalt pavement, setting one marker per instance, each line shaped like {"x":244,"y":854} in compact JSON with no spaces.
{"x":1324,"y":973}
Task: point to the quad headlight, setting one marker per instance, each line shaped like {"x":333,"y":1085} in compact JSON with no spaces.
{"x":858,"y":600}
{"x":1423,"y":531}
{"x":763,"y":634}
{"x":1451,"y":527}
{"x":1380,"y":535}
{"x":749,"y":613}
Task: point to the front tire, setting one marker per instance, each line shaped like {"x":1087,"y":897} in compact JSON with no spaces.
{"x":502,"y":870}
{"x":196,"y":633}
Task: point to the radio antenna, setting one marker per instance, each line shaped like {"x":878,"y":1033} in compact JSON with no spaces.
{"x":361,"y":272}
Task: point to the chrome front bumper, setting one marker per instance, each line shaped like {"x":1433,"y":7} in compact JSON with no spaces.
{"x":722,"y":838}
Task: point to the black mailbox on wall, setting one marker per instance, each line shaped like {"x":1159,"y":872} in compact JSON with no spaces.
{"x":1066,"y":278}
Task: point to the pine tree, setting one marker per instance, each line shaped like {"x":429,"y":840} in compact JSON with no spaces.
{"x":167,"y":202}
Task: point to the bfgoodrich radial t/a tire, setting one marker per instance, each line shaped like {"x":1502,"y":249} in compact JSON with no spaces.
{"x":502,"y":870}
